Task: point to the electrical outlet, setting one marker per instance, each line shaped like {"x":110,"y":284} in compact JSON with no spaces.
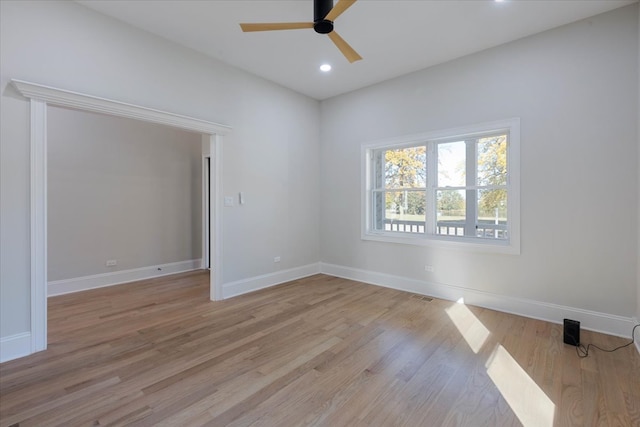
{"x":112,"y":262}
{"x":276,"y":259}
{"x":429,"y":268}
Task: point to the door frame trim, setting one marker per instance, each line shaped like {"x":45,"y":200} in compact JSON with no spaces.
{"x":40,"y":96}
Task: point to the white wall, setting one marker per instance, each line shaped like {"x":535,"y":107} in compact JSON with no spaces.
{"x":575,"y":89}
{"x":271,"y":155}
{"x":120,"y":189}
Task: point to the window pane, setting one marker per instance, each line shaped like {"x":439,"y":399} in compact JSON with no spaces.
{"x":451,"y":212}
{"x":379,"y":208}
{"x":492,"y":214}
{"x":403,"y":211}
{"x":378,"y":169}
{"x":445,"y":186}
{"x":492,"y":160}
{"x":451,"y":164}
{"x":405,"y":168}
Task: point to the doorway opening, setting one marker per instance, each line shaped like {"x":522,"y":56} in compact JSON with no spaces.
{"x":40,"y":96}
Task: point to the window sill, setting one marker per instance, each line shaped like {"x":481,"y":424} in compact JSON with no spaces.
{"x":454,"y":243}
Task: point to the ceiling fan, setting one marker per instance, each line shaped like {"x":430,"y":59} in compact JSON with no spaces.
{"x":324,"y":14}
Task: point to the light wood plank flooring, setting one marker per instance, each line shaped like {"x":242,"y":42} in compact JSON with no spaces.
{"x":317,"y":351}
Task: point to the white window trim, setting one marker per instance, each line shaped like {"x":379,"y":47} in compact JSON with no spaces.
{"x":512,"y":246}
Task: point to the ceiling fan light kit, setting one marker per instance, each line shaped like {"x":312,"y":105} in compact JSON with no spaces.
{"x":324,"y":15}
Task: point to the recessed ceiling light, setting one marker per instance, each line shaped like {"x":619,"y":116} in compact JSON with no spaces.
{"x":325,"y":68}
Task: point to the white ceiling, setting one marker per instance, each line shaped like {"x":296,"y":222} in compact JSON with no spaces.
{"x":394,"y":37}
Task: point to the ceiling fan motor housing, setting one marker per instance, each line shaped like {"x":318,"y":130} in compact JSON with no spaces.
{"x":324,"y":13}
{"x":320,"y":9}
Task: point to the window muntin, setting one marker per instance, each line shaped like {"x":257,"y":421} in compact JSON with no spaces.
{"x":445,"y":188}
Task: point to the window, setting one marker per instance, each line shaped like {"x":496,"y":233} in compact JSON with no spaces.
{"x":454,"y":187}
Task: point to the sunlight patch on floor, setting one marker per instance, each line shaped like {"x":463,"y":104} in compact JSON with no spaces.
{"x":471,"y":329}
{"x":530,"y":404}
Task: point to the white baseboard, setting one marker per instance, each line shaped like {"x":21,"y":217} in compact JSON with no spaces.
{"x":251,"y":284}
{"x":15,"y":346}
{"x":554,"y":313}
{"x":60,"y":287}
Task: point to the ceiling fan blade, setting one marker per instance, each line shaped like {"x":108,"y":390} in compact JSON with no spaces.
{"x":276,"y":26}
{"x":337,"y":10}
{"x":347,"y":51}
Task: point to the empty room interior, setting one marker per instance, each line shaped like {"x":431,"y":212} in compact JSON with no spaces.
{"x":316,"y":212}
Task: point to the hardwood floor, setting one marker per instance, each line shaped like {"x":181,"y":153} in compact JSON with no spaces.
{"x":316,"y":351}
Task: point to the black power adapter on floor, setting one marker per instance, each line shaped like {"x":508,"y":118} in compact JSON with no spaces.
{"x":571,"y":332}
